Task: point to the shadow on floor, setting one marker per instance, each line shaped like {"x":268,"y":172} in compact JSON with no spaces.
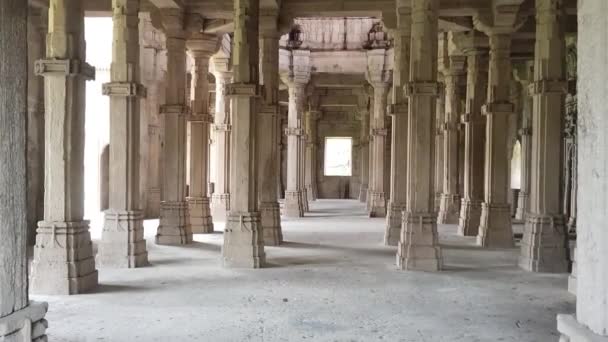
{"x":112,"y":288}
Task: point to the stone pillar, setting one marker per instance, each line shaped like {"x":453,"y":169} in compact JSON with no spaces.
{"x":399,"y":113}
{"x":174,"y":228}
{"x":296,"y":80}
{"x":243,"y":236}
{"x":495,"y":225}
{"x":312,"y":118}
{"x":63,"y":257}
{"x":453,"y":69}
{"x":475,"y":48}
{"x":371,"y":167}
{"x":220,"y":200}
{"x":544,"y":245}
{"x":122,"y":240}
{"x":379,"y":77}
{"x":526,"y":152}
{"x":20,"y":319}
{"x":438,"y":166}
{"x":364,"y":154}
{"x":418,"y":247}
{"x":303,"y":162}
{"x":591,"y":320}
{"x":200,"y":47}
{"x":269,"y":133}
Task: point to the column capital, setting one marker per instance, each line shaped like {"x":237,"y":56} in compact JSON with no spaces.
{"x":377,"y":73}
{"x":299,"y":69}
{"x":269,"y":18}
{"x":65,"y":67}
{"x":503,"y":18}
{"x":202,"y":46}
{"x":471,"y":42}
{"x":124,"y":89}
{"x":172,"y":21}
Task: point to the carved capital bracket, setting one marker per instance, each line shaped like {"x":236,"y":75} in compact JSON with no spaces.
{"x":65,"y":67}
{"x":124,"y":89}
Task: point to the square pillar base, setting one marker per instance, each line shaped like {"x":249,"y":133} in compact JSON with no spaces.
{"x":305,"y":204}
{"x":449,"y":209}
{"x":293,"y":204}
{"x":394,"y":220}
{"x":418,"y":249}
{"x":377,"y":206}
{"x":174,"y":228}
{"x":495,"y":229}
{"x":543,"y":247}
{"x":573,"y":331}
{"x":270,"y":213}
{"x":470,"y":217}
{"x":200,"y":215}
{"x":122,"y":242}
{"x":243,"y":241}
{"x":63,"y":259}
{"x":363,"y":193}
{"x":220,"y":205}
{"x":25,"y":325}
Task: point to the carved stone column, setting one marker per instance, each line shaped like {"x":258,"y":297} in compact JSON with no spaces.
{"x":269,"y":133}
{"x":174,"y":228}
{"x":525,"y":133}
{"x":453,"y":68}
{"x":438,"y":166}
{"x":379,"y":77}
{"x":312,"y":118}
{"x":399,"y":113}
{"x":220,"y":200}
{"x":122,"y":240}
{"x":371,"y":166}
{"x":495,"y":226}
{"x":475,"y":48}
{"x":20,"y":319}
{"x":63,"y":257}
{"x":303,"y":162}
{"x":544,"y":245}
{"x":296,"y":80}
{"x":418,"y":247}
{"x":200,"y":47}
{"x":364,"y":153}
{"x":243,"y":236}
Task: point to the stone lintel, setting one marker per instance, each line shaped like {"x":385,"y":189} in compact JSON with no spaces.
{"x":548,"y":87}
{"x":573,"y":331}
{"x":29,"y":318}
{"x":421,"y":88}
{"x":506,"y":108}
{"x":200,"y":117}
{"x":242,"y":90}
{"x":65,"y":67}
{"x":124,"y":89}
{"x":179,"y":110}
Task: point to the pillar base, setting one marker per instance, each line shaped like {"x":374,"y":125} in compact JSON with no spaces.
{"x":449,"y":209}
{"x":363,"y":193}
{"x":377,"y":207}
{"x":573,"y":331}
{"x":520,"y":212}
{"x":311,"y":193}
{"x":495,"y":229}
{"x":572,"y":278}
{"x":293,"y":204}
{"x":200,"y":215}
{"x":418,"y":249}
{"x":305,"y":204}
{"x":243,"y":241}
{"x":220,"y":205}
{"x":122,"y":240}
{"x":174,"y":228}
{"x":543,"y":247}
{"x":394,"y":220}
{"x":63,"y":259}
{"x":270,"y":213}
{"x":470,"y":216}
{"x":25,"y":325}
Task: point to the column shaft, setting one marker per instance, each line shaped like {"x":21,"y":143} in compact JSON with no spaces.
{"x":364,"y":155}
{"x":439,"y":136}
{"x":122,"y":243}
{"x":243,"y":236}
{"x":418,"y":247}
{"x":474,"y":140}
{"x":399,"y":114}
{"x":303,"y":155}
{"x":268,"y":133}
{"x":311,"y":154}
{"x":63,"y":257}
{"x":544,"y":245}
{"x":526,"y":153}
{"x":174,"y":228}
{"x":220,"y":201}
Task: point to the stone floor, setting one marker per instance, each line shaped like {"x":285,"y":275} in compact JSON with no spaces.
{"x":332,"y":281}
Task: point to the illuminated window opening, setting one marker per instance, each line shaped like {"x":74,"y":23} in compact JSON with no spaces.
{"x":338,"y":156}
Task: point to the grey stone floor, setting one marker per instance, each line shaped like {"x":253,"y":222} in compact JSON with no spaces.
{"x":332,"y":281}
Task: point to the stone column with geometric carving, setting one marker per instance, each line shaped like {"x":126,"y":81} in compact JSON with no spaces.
{"x":296,"y":80}
{"x":243,"y":236}
{"x":544,"y":244}
{"x":452,"y":65}
{"x":312,"y":118}
{"x":524,"y":77}
{"x":399,"y":113}
{"x":20,"y":319}
{"x":268,"y":133}
{"x":379,"y":78}
{"x":122,"y":240}
{"x":200,"y":47}
{"x":495,"y":225}
{"x":364,"y":153}
{"x":418,"y":247}
{"x":63,"y":256}
{"x":220,"y":200}
{"x":474,"y":46}
{"x":174,"y":228}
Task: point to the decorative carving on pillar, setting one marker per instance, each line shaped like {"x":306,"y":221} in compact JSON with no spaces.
{"x":63,"y":256}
